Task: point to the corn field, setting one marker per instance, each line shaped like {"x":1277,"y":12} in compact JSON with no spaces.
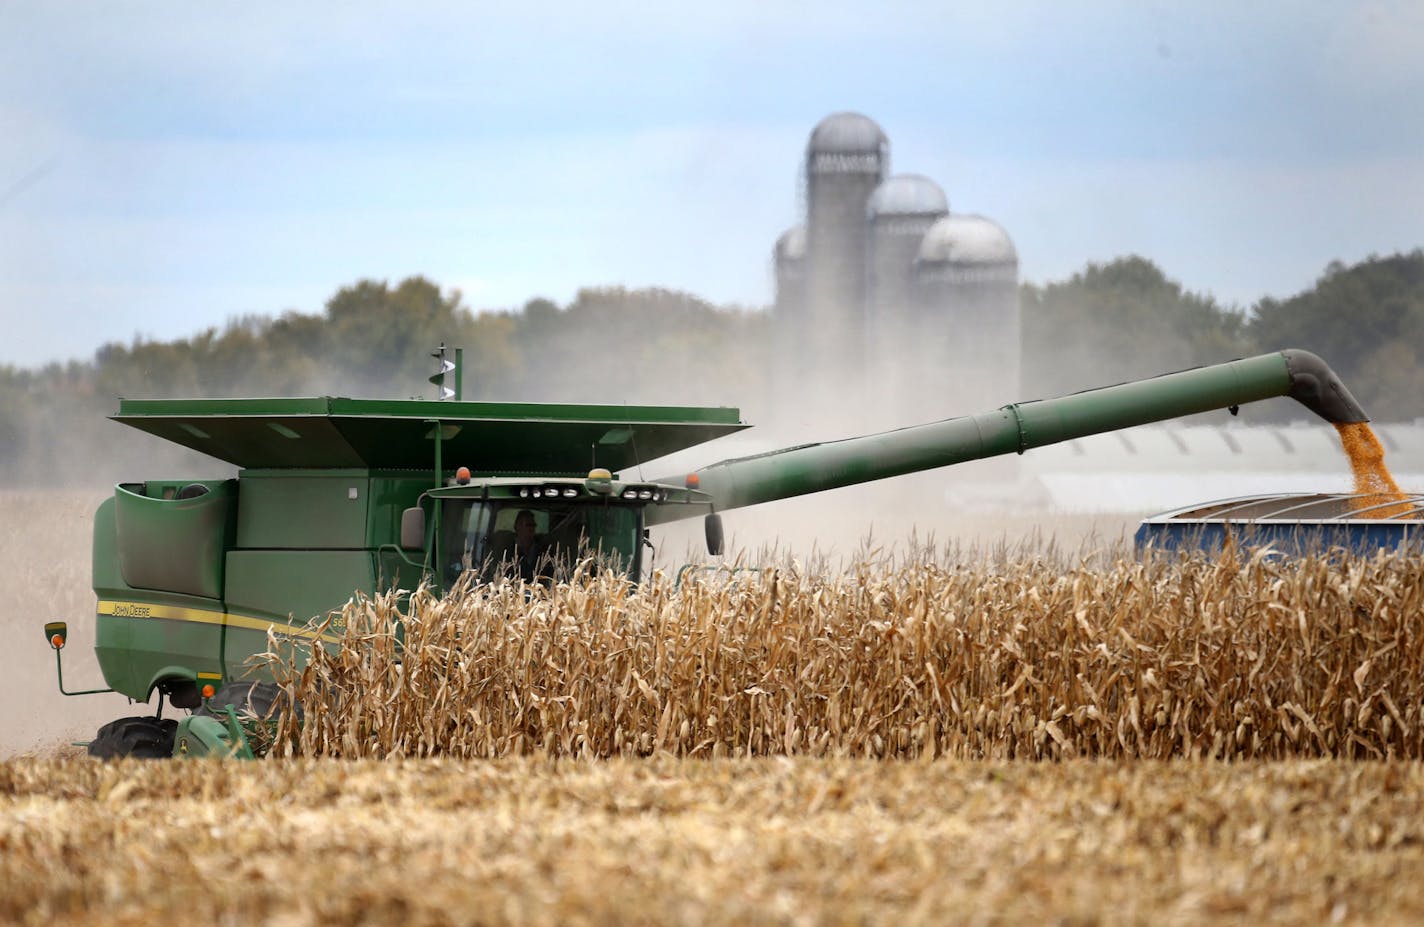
{"x":1227,"y":658}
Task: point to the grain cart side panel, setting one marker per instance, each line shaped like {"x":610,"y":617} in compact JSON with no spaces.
{"x":158,"y":561}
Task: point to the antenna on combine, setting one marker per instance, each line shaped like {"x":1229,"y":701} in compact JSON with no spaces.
{"x":445,"y":367}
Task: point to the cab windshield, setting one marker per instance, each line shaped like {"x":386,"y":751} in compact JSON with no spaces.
{"x":539,"y":542}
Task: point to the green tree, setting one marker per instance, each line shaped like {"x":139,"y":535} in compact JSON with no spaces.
{"x":376,"y":337}
{"x":1120,"y":321}
{"x":1367,"y":321}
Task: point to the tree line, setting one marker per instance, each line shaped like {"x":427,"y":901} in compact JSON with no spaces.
{"x":1115,"y":321}
{"x":1125,"y":319}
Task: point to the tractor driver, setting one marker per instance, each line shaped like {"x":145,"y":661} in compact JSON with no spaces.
{"x":527,"y":550}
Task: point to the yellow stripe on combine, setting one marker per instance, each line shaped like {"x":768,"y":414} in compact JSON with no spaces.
{"x":154,"y":610}
{"x":204,"y":616}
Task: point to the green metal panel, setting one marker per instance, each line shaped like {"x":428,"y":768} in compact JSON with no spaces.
{"x":174,"y":545}
{"x":389,"y":497}
{"x":137,"y":634}
{"x":397,"y":569}
{"x":487,"y":437}
{"x":277,"y":510}
{"x":104,"y":562}
{"x":302,"y":584}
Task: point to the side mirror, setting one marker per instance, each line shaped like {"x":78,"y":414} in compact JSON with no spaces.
{"x":412,"y":535}
{"x":712,"y":524}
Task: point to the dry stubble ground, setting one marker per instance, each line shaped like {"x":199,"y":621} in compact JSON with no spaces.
{"x":663,"y":840}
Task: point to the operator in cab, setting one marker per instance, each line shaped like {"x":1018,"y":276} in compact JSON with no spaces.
{"x":527,"y":549}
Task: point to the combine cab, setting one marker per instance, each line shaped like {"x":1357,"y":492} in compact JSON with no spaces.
{"x":338,"y":496}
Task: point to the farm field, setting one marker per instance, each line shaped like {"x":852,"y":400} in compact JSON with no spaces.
{"x":1002,"y":737}
{"x":662,"y":840}
{"x":45,"y":538}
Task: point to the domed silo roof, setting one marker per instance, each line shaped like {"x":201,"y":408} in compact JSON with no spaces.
{"x":967,"y":239}
{"x":847,"y":133}
{"x":791,"y":246}
{"x":907,"y":195}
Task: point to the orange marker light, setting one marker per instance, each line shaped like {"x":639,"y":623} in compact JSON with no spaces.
{"x":462,"y":475}
{"x":57,"y":641}
{"x":208,"y":690}
{"x":693,"y":481}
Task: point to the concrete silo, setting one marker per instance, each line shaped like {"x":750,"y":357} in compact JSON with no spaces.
{"x":790,"y":323}
{"x":966,"y":280}
{"x":847,"y":157}
{"x":900,"y":212}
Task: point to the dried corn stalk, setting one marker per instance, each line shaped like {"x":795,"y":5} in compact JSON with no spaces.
{"x":1225,"y":658}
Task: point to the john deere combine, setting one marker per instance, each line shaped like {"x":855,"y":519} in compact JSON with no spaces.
{"x":336,"y":496}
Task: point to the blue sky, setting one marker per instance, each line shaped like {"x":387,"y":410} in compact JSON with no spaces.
{"x":166,"y":167}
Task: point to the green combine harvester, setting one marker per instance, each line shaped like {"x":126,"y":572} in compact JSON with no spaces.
{"x":337,"y":496}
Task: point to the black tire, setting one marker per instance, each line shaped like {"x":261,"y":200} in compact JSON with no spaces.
{"x":146,"y":738}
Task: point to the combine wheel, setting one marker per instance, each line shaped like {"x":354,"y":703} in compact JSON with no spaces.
{"x":255,"y":703}
{"x":145,"y":738}
{"x":254,"y":698}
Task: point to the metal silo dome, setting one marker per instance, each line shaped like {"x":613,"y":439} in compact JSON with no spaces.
{"x":967,"y":239}
{"x":908,"y":195}
{"x":791,"y":246}
{"x":847,"y":133}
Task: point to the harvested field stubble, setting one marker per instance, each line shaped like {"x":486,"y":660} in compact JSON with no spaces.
{"x":665,"y":840}
{"x":1227,"y":658}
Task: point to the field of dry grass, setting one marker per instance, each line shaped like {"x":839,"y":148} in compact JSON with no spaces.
{"x":663,"y":840}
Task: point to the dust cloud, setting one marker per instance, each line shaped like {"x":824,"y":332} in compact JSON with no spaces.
{"x":45,"y":539}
